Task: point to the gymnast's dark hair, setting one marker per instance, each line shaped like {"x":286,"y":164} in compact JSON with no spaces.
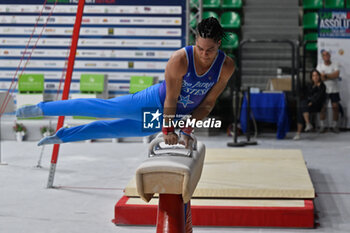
{"x":210,"y":28}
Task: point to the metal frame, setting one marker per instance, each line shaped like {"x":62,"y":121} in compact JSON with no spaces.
{"x":304,"y":61}
{"x":198,"y":15}
{"x":295,"y":62}
{"x":238,"y":81}
{"x":70,"y":67}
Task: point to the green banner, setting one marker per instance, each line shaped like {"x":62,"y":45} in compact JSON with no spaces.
{"x":92,"y":83}
{"x":31,"y":83}
{"x":139,"y":83}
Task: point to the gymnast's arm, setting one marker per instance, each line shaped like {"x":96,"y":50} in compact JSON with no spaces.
{"x":208,"y":103}
{"x":174,"y":71}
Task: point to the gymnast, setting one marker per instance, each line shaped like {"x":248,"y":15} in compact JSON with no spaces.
{"x":195,"y":76}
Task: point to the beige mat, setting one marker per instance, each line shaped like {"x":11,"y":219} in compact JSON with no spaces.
{"x":251,"y":173}
{"x":228,"y":202}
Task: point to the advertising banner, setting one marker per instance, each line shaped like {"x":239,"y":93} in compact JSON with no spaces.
{"x":334,"y":36}
{"x":31,"y":83}
{"x":118,"y":39}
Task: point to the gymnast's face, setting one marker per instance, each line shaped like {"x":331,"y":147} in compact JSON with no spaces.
{"x":206,"y":50}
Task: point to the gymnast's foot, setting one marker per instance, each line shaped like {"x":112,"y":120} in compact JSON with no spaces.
{"x":50,"y":140}
{"x":29,"y":111}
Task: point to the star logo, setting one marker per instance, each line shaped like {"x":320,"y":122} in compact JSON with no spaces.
{"x":185,"y":100}
{"x":151,"y":119}
{"x":156,"y":115}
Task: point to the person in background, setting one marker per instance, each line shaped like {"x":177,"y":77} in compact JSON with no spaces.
{"x":330,"y":75}
{"x":313,"y":102}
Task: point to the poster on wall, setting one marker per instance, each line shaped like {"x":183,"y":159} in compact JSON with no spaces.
{"x":119,"y":39}
{"x":334,"y":35}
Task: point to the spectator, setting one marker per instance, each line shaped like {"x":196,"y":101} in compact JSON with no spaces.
{"x":313,"y":102}
{"x":329,"y":75}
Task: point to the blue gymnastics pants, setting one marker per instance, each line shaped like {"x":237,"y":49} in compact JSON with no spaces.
{"x":128,"y":110}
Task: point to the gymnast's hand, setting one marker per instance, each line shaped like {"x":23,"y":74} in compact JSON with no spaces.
{"x":171,"y":138}
{"x":186,"y":139}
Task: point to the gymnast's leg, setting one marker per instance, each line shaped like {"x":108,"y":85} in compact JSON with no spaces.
{"x":128,"y":106}
{"x":98,"y":129}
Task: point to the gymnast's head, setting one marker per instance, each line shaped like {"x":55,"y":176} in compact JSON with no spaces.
{"x":209,"y":34}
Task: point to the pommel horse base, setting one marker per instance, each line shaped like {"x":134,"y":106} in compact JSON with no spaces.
{"x":173,"y":173}
{"x":240,"y":188}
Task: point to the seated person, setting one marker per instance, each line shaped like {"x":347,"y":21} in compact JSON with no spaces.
{"x":313,"y":101}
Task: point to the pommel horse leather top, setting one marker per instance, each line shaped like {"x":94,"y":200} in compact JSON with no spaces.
{"x":170,"y":170}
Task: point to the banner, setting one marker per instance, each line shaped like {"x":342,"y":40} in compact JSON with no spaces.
{"x":91,"y":20}
{"x":334,"y":35}
{"x":31,"y":83}
{"x":91,"y":9}
{"x":119,"y":39}
{"x":92,"y":31}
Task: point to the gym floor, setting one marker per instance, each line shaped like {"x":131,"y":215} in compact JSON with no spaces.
{"x":91,"y":178}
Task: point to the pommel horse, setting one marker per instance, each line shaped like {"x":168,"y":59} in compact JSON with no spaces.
{"x":173,"y":172}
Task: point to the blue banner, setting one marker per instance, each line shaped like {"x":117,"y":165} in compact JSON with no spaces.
{"x":334,"y":24}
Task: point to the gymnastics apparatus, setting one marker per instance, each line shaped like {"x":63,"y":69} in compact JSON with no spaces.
{"x":237,"y":187}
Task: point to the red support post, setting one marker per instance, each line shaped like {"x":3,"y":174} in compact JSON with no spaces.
{"x":188,"y":223}
{"x":171,"y":214}
{"x":67,"y":82}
